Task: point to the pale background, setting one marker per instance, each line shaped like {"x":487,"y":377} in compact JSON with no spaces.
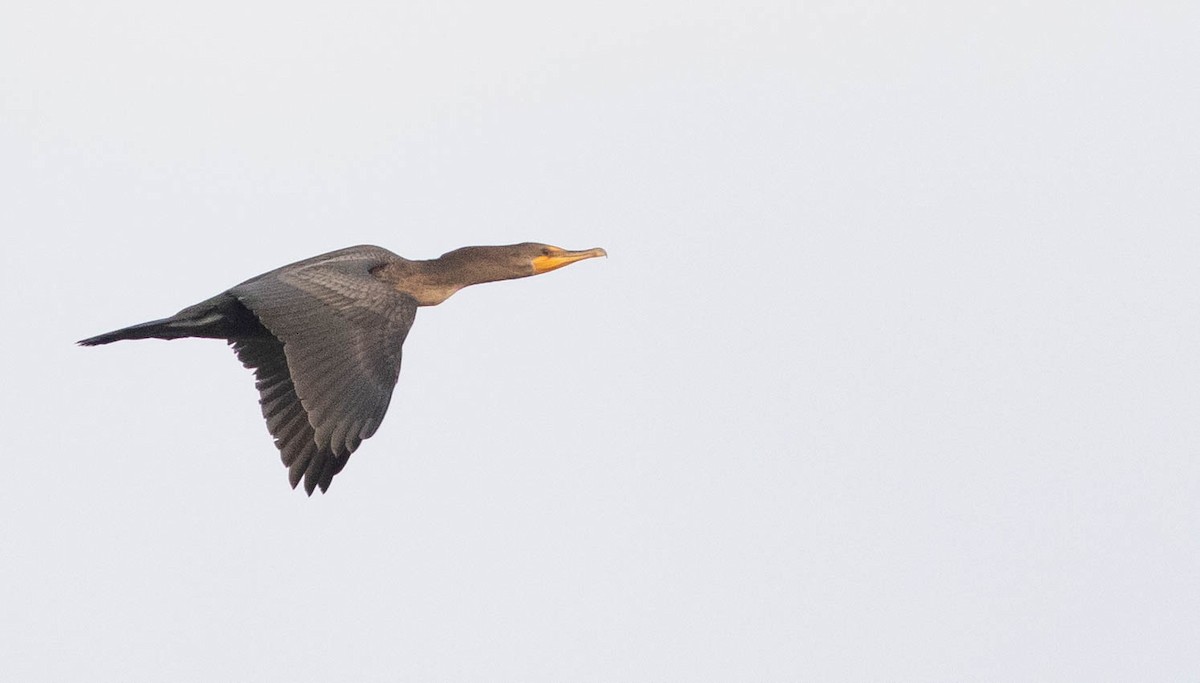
{"x":893,"y":372}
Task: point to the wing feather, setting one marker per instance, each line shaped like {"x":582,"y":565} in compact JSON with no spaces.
{"x":326,"y":371}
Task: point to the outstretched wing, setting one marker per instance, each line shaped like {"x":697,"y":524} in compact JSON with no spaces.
{"x":326,"y":374}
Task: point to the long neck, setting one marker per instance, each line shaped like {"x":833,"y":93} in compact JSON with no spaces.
{"x":432,"y":282}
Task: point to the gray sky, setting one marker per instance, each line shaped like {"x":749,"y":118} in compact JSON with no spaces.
{"x":893,"y":372}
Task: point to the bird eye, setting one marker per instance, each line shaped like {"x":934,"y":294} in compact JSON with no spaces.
{"x":545,"y":251}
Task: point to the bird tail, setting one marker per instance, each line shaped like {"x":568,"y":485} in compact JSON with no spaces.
{"x":167,"y":328}
{"x":176,"y":327}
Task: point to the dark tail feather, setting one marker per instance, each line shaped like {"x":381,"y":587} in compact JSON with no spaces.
{"x":167,"y":328}
{"x":175,"y":327}
{"x":221,"y":317}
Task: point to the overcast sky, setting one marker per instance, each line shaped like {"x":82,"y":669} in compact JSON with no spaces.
{"x":893,"y":372}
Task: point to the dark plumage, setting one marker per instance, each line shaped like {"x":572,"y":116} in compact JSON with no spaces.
{"x":324,"y":335}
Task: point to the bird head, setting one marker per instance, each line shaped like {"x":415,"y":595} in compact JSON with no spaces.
{"x":517,"y":260}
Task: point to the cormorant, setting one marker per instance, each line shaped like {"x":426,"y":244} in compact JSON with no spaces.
{"x":323,"y":337}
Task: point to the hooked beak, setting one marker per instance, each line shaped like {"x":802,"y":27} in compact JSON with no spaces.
{"x":557,"y":258}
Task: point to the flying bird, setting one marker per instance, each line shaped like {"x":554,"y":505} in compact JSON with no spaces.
{"x":324,"y":335}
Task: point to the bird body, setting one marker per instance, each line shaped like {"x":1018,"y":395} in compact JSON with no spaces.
{"x":324,"y":337}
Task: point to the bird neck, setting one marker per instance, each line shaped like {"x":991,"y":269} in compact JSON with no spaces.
{"x":433,"y":281}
